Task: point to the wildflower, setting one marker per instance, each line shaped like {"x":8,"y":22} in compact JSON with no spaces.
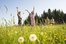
{"x":41,"y":33}
{"x":16,"y":32}
{"x":20,"y":39}
{"x":33,"y":37}
{"x":45,"y":36}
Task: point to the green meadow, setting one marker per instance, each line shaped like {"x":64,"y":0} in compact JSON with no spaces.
{"x":48,"y":34}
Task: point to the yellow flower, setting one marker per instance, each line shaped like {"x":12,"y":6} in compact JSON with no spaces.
{"x":16,"y":32}
{"x":45,"y":36}
{"x":41,"y":33}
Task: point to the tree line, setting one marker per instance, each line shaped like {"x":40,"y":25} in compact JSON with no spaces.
{"x":49,"y":17}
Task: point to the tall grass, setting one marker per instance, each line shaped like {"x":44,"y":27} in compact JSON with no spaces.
{"x":50,"y":34}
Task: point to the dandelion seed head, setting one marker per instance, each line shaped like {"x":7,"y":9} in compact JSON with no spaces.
{"x":20,"y":39}
{"x":33,"y":37}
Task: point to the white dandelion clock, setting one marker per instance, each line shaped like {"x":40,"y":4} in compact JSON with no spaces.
{"x":33,"y":37}
{"x":20,"y":39}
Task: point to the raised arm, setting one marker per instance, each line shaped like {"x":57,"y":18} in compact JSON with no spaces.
{"x":17,"y":10}
{"x":33,"y":9}
{"x":27,"y":11}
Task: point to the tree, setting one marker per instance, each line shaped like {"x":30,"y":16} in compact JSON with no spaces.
{"x":27,"y":21}
{"x":36,"y":19}
{"x":49,"y":14}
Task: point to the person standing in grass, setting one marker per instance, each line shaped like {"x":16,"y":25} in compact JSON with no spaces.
{"x":31,"y":17}
{"x":19,"y":17}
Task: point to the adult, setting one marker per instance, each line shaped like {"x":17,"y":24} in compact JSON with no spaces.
{"x":32,"y":17}
{"x":19,"y":17}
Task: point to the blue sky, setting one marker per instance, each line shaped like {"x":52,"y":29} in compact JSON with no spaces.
{"x":40,"y":6}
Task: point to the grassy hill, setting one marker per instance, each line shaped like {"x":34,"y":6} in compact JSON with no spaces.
{"x":49,"y":34}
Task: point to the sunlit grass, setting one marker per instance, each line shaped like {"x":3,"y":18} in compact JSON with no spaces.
{"x":49,"y":34}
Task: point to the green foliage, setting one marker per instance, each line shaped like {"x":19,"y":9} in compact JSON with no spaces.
{"x":37,"y":19}
{"x":57,"y":15}
{"x":49,"y":34}
{"x":27,"y":21}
